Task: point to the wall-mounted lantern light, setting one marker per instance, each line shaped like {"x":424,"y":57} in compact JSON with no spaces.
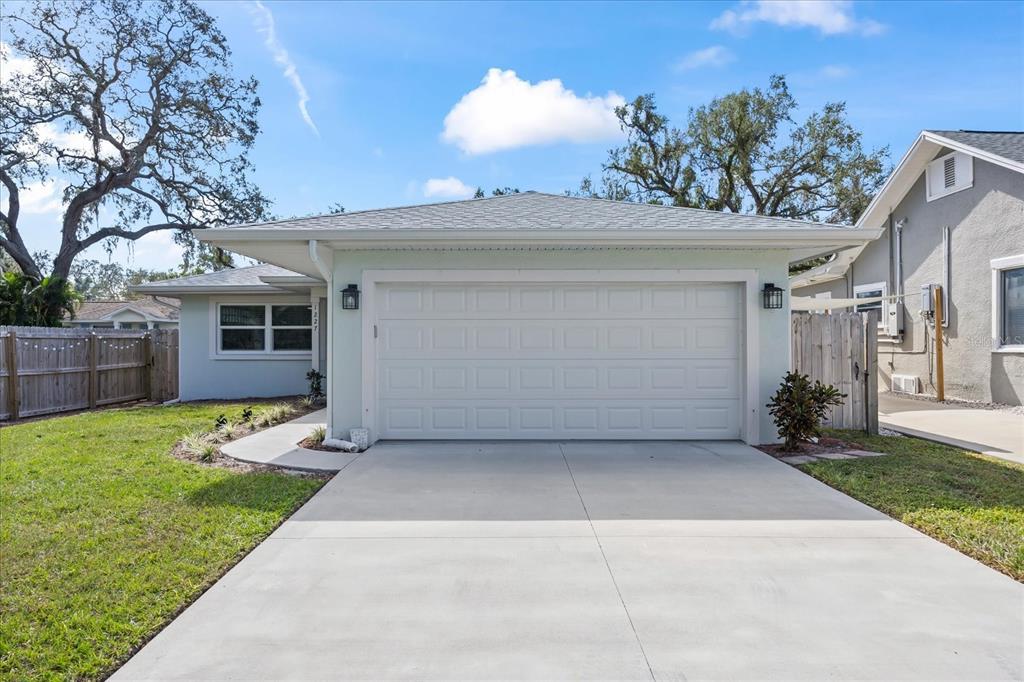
{"x":350,"y":297}
{"x":772,"y":296}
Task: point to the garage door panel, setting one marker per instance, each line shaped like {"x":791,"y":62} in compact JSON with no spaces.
{"x":510,"y":339}
{"x":618,"y":360}
{"x":565,"y":379}
{"x":516,"y":301}
{"x":594,"y":419}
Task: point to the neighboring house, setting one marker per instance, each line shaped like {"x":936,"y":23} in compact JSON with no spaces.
{"x":153,"y":313}
{"x":523,"y":316}
{"x":246,"y":332}
{"x":952,"y":215}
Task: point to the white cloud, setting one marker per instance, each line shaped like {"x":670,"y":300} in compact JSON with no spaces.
{"x":835,"y":71}
{"x":41,"y":197}
{"x":716,"y":55}
{"x":11,"y":65}
{"x":830,"y":17}
{"x":506,"y":112}
{"x":265,"y":25}
{"x":448,"y":188}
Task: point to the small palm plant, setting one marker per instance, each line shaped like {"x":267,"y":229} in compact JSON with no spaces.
{"x":318,"y":434}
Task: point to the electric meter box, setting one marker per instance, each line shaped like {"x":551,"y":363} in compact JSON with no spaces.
{"x":927,"y":299}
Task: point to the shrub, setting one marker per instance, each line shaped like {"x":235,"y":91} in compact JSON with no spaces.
{"x":316,"y":385}
{"x":318,"y":434}
{"x":272,"y":414}
{"x":202,"y":446}
{"x":247,"y":415}
{"x":208,"y":452}
{"x":799,"y":406}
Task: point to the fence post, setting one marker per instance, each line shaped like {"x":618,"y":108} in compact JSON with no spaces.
{"x":94,"y":384}
{"x":871,"y":383}
{"x":13,"y":399}
{"x":147,"y":370}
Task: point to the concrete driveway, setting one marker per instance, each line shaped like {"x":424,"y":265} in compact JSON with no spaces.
{"x":579,"y":560}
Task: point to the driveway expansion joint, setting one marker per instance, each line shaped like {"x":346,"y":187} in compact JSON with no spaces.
{"x":604,"y":558}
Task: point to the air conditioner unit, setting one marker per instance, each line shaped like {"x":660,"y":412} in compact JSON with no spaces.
{"x":905,"y":383}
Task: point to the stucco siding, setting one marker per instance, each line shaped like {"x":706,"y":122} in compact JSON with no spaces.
{"x":346,"y":368}
{"x":204,"y":377}
{"x":836,"y":287}
{"x":986,"y":221}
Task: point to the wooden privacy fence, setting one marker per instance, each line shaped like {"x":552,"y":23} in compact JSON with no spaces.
{"x":841,"y":349}
{"x":54,"y":369}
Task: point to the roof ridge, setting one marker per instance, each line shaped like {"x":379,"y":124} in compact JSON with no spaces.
{"x":691,"y":208}
{"x":364,"y":211}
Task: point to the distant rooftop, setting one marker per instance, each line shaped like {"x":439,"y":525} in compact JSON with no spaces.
{"x":1007,"y":143}
{"x":101,"y":309}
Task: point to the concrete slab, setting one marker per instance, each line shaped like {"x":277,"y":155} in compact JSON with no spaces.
{"x":278,"y":446}
{"x":997,"y":433}
{"x":592,"y":560}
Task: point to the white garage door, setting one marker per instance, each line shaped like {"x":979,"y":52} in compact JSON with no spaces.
{"x":643,"y":361}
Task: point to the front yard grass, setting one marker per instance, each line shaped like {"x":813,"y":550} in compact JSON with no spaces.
{"x":104,"y":537}
{"x":973,"y":503}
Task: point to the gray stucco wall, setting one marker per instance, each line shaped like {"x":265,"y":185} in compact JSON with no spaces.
{"x":346,"y":369}
{"x":204,"y":377}
{"x":837,"y":287}
{"x":987,"y":222}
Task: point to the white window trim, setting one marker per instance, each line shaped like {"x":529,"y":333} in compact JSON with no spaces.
{"x":938,"y":163}
{"x":884,"y":312}
{"x":747,"y":279}
{"x":267,"y":354}
{"x":998,"y":265}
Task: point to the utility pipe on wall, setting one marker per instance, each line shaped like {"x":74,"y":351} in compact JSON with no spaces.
{"x":940,"y":378}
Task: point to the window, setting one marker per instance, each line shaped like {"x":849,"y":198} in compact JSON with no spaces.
{"x":264,"y":328}
{"x":874,"y":290}
{"x":824,"y":295}
{"x":948,"y":174}
{"x":1008,"y":304}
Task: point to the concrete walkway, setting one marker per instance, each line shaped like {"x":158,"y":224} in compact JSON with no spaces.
{"x":278,"y":446}
{"x":625,"y":561}
{"x":999,"y":433}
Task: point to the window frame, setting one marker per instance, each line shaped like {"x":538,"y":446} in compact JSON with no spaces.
{"x":268,"y":352}
{"x":999,"y":266}
{"x":937,"y":165}
{"x":883,"y":311}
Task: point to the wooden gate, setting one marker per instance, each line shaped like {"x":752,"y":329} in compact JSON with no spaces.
{"x":53,"y":369}
{"x":840,"y":349}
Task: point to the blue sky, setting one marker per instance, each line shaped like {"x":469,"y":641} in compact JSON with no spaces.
{"x":380,"y":80}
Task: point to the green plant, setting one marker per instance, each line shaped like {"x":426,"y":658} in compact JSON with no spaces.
{"x":272,"y":414}
{"x":316,"y":384}
{"x":220,"y":422}
{"x":318,"y":434}
{"x":799,"y":406}
{"x":27,"y":301}
{"x":208,"y":452}
{"x":247,"y":415}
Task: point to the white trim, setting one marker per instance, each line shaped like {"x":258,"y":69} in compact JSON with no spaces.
{"x":975,"y":152}
{"x":215,"y":353}
{"x":884,"y":311}
{"x":750,"y":423}
{"x":998,"y":265}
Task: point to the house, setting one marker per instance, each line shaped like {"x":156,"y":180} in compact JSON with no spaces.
{"x":525,"y":316}
{"x":154,"y":313}
{"x":952,"y":215}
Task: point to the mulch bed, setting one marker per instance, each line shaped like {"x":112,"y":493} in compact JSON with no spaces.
{"x":224,"y":462}
{"x":824,"y":446}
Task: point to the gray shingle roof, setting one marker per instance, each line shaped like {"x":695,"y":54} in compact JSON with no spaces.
{"x":538,"y":211}
{"x":240,"y":277}
{"x":1007,"y":144}
{"x":96,"y":310}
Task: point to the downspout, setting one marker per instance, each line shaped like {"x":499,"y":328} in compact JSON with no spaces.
{"x":328,"y":274}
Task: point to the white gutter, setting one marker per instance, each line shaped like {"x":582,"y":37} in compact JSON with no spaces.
{"x":801,"y":237}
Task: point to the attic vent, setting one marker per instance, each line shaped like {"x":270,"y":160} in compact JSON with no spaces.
{"x":949,"y":172}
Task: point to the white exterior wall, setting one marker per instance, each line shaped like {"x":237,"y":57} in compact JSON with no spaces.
{"x":346,"y":366}
{"x":206,"y":377}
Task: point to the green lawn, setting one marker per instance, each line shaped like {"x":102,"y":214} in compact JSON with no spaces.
{"x":104,"y":536}
{"x":970,"y":502}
